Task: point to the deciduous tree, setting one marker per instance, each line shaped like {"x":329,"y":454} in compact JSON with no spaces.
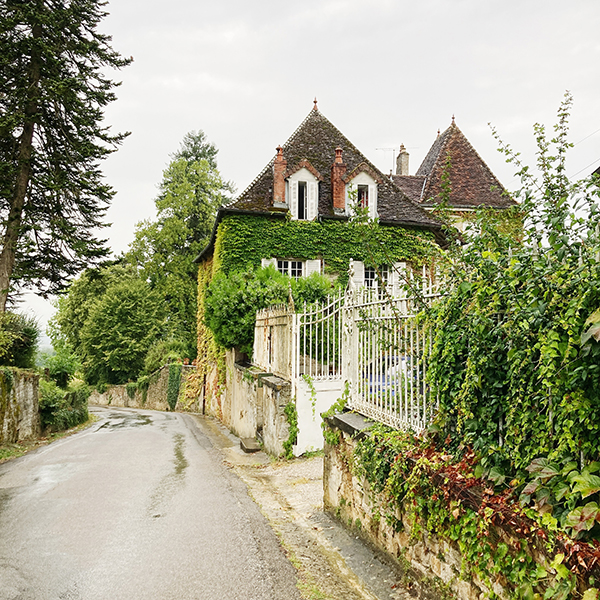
{"x":164,"y":250}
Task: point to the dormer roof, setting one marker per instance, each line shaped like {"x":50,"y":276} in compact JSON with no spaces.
{"x":315,"y":142}
{"x":472,"y":183}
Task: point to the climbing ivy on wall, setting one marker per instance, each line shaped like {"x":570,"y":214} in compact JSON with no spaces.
{"x":412,"y":482}
{"x":173,"y":384}
{"x":243,"y":240}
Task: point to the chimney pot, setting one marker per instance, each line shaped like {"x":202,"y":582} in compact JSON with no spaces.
{"x":402,"y":161}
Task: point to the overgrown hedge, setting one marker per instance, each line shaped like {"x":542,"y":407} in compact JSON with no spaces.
{"x":516,"y":360}
{"x":63,"y":408}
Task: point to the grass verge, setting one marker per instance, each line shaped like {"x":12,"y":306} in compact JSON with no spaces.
{"x":11,"y":451}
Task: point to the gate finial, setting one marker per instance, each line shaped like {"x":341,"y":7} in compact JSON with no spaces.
{"x":351,"y":284}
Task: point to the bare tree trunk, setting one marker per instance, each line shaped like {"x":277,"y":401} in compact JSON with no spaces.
{"x":25,"y":151}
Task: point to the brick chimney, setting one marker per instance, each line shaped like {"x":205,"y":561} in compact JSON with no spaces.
{"x":338,"y":187}
{"x":279,"y":167}
{"x":402,"y":161}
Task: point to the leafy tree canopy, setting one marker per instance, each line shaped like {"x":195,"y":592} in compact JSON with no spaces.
{"x":119,"y":330}
{"x":53,"y":90}
{"x":109,"y":319}
{"x":164,"y":249}
{"x":73,"y":308}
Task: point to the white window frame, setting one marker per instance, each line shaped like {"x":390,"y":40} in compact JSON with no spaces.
{"x":308,"y":266}
{"x":311,"y":200}
{"x":363,"y":179}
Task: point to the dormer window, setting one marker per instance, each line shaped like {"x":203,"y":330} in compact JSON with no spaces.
{"x":363,"y":196}
{"x":361,"y":189}
{"x":303,"y":194}
{"x":302,"y":201}
{"x":364,"y":190}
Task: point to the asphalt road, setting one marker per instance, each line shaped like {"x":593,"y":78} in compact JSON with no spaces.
{"x":138,"y":506}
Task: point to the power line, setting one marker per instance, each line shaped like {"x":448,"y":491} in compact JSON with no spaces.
{"x":586,"y":137}
{"x":585,"y":168}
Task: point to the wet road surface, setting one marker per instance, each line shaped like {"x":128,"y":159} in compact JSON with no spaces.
{"x":138,"y":506}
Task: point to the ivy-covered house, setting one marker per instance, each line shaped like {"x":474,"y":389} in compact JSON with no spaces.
{"x":295,"y":214}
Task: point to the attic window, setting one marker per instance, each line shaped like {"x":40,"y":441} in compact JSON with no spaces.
{"x":363,"y":196}
{"x":302,"y":200}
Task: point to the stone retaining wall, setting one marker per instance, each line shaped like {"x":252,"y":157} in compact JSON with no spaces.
{"x":19,"y":405}
{"x":250,"y":402}
{"x":432,"y":562}
{"x":154,"y":399}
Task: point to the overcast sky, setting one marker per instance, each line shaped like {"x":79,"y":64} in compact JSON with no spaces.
{"x":385,"y":72}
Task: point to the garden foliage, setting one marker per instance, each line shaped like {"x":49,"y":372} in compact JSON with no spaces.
{"x":63,"y":408}
{"x":19,"y":336}
{"x":516,"y":355}
{"x":232,"y":300}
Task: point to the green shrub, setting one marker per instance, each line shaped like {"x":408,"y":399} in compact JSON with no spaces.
{"x":232,"y":301}
{"x":19,"y":335}
{"x":162,"y":353}
{"x":62,"y":365}
{"x":61,"y":409}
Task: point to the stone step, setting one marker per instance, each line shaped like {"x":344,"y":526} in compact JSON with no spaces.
{"x":249,"y":445}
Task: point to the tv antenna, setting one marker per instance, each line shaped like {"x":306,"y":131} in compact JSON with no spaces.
{"x":393,"y":151}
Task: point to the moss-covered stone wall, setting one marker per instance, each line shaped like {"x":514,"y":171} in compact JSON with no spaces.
{"x":19,"y":405}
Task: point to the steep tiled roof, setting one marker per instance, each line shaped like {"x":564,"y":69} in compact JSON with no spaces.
{"x":472,"y":183}
{"x":315,"y":140}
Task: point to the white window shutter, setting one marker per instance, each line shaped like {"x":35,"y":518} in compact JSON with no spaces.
{"x":397,"y":277}
{"x":265,"y":262}
{"x":313,"y":196}
{"x":372,"y":201}
{"x":359,"y":274}
{"x":312,"y":266}
{"x":294,"y":199}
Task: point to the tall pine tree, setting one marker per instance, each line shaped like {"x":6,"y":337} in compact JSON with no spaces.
{"x":53,"y":90}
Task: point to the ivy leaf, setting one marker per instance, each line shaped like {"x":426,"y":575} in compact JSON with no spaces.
{"x":591,"y":594}
{"x":569,"y":467}
{"x":592,"y":467}
{"x":537,"y":465}
{"x":496,"y":475}
{"x":548,"y":471}
{"x":586,"y":484}
{"x":583,"y":517}
{"x":532,"y":487}
{"x":561,"y":490}
{"x":594,"y":331}
{"x":543,"y":498}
